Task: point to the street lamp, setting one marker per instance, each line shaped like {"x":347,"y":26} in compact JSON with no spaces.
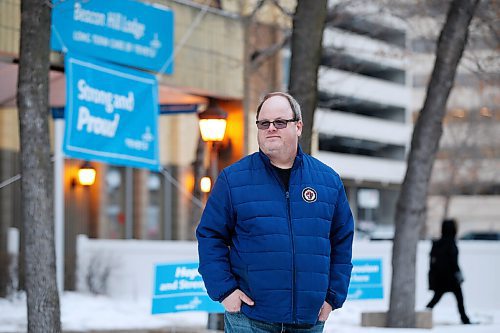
{"x":205,"y":184}
{"x":213,"y":127}
{"x":212,"y":123}
{"x":86,"y":175}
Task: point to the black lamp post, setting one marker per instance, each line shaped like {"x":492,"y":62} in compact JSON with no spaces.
{"x":212,"y":123}
{"x":213,"y":127}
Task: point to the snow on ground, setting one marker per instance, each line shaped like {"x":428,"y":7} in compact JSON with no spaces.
{"x":82,"y":312}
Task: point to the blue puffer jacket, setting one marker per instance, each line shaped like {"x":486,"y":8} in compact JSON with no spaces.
{"x":288,"y":251}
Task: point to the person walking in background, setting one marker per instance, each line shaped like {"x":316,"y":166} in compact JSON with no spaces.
{"x":275,"y":238}
{"x":444,"y":273}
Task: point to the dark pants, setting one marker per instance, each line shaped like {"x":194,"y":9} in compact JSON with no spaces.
{"x":239,"y":323}
{"x":457,"y":291}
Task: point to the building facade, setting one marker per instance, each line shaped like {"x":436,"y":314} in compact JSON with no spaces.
{"x":213,"y":46}
{"x":363,"y":122}
{"x":125,"y":202}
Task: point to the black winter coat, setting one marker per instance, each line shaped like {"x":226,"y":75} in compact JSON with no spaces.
{"x":444,"y":272}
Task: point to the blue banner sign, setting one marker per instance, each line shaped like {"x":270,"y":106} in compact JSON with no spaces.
{"x":179,"y":287}
{"x":111,"y":114}
{"x":366,"y":279}
{"x":127,"y":32}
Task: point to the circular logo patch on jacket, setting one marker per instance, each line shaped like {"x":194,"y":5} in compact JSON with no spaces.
{"x":309,"y":195}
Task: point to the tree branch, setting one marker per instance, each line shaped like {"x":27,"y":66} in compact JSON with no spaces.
{"x":281,"y":8}
{"x":258,"y":57}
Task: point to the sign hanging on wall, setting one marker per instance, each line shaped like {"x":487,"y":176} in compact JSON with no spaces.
{"x":127,"y":32}
{"x":111,"y":114}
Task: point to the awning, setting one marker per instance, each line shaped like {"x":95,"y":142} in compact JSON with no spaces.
{"x":172,"y":100}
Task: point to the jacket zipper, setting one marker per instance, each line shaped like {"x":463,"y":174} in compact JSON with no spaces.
{"x":287,"y":195}
{"x":289,"y":218}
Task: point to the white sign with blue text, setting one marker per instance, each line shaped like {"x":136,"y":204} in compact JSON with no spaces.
{"x":127,"y":32}
{"x":179,"y":287}
{"x":111,"y":114}
{"x":366,"y":279}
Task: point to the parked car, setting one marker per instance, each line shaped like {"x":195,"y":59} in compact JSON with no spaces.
{"x":481,"y":235}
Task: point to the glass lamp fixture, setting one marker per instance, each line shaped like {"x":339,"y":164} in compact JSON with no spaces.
{"x":213,"y":123}
{"x":205,"y":184}
{"x":86,"y":175}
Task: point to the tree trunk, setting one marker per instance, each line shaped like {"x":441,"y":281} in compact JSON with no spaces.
{"x":411,"y":206}
{"x":5,"y":278}
{"x":307,"y":36}
{"x":37,"y":179}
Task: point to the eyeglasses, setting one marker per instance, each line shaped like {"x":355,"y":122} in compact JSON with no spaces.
{"x":278,"y":123}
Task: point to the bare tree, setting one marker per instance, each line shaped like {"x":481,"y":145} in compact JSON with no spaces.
{"x":463,"y":161}
{"x":411,"y":206}
{"x":37,"y":178}
{"x":308,"y":25}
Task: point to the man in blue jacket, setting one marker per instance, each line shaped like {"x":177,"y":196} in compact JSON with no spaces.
{"x":275,"y":238}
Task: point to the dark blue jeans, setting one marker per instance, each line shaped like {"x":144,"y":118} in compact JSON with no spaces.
{"x":239,"y":323}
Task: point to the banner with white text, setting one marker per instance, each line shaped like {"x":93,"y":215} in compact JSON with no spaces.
{"x":179,"y":287}
{"x":127,"y":32}
{"x":366,"y":279}
{"x":111,"y":114}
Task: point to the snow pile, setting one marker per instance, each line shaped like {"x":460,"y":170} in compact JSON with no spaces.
{"x":82,"y":312}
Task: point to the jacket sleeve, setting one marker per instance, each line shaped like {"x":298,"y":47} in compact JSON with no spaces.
{"x":341,"y":237}
{"x":214,"y":237}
